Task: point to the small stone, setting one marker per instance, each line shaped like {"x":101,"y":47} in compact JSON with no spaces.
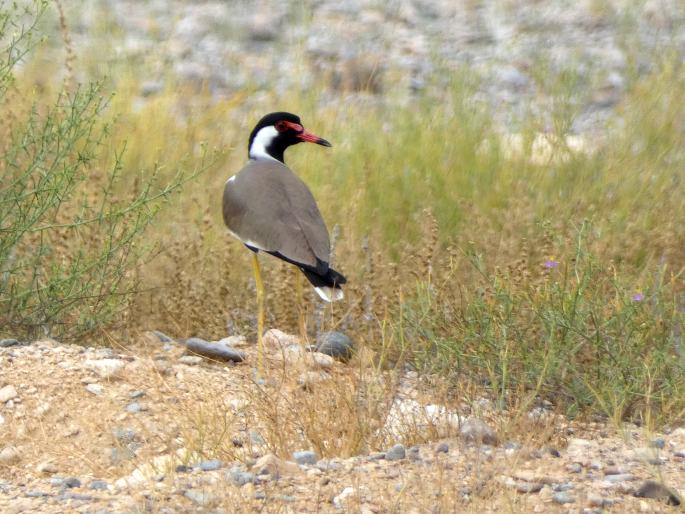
{"x":71,"y":482}
{"x":135,"y":407}
{"x":134,"y":395}
{"x":211,"y":465}
{"x":99,"y":485}
{"x":657,"y":491}
{"x":233,"y":341}
{"x":124,"y":435}
{"x":269,"y":464}
{"x":659,"y":443}
{"x":6,"y":343}
{"x":397,"y":452}
{"x":527,"y":487}
{"x":199,"y":497}
{"x":596,"y":500}
{"x":190,"y":360}
{"x":9,"y":455}
{"x":95,"y":389}
{"x":339,"y":500}
{"x":442,"y":448}
{"x":8,"y":393}
{"x":36,"y":494}
{"x":563,"y":497}
{"x":335,"y":344}
{"x":377,"y":456}
{"x":46,"y":467}
{"x":119,"y":455}
{"x":413,"y":453}
{"x":621,"y":477}
{"x":214,"y":350}
{"x":105,"y":368}
{"x":239,"y":477}
{"x":320,"y":360}
{"x":477,"y":431}
{"x":305,"y":457}
{"x":2,"y":419}
{"x":277,"y":341}
{"x":163,"y":338}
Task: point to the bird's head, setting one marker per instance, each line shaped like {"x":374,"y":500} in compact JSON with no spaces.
{"x":277,"y":131}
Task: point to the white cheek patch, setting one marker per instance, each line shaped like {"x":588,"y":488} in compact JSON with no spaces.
{"x":261,"y":142}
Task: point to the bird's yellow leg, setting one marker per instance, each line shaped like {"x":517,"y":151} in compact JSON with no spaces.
{"x":300,"y":305}
{"x":259,"y":285}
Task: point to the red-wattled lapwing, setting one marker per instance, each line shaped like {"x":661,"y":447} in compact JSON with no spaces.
{"x":269,"y":208}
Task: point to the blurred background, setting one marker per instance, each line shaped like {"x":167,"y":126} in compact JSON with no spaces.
{"x":505,"y":188}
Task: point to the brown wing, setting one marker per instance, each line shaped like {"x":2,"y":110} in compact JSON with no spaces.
{"x":267,"y":206}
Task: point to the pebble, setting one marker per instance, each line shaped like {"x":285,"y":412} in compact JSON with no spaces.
{"x":96,"y":389}
{"x":124,"y":435}
{"x":659,"y":443}
{"x":475,"y":430}
{"x":210,"y":465}
{"x":6,"y":343}
{"x":163,"y":338}
{"x":8,"y":393}
{"x":71,"y":482}
{"x":621,"y":477}
{"x":105,"y":368}
{"x":214,"y":350}
{"x":134,"y":395}
{"x":305,"y":457}
{"x":190,"y":360}
{"x":135,"y":407}
{"x":46,"y":467}
{"x":199,"y":497}
{"x":397,"y":452}
{"x":99,"y":485}
{"x":527,"y":487}
{"x":563,"y":497}
{"x":335,"y":344}
{"x":240,"y":477}
{"x":596,"y":500}
{"x":9,"y":455}
{"x":442,"y":448}
{"x":574,"y":467}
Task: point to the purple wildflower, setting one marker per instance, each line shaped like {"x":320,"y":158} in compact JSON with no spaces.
{"x":638,"y":296}
{"x":551,"y":263}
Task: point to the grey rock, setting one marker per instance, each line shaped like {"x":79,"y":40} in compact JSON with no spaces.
{"x":149,"y":88}
{"x":124,"y":435}
{"x":397,"y":452}
{"x":377,"y":456}
{"x":657,"y":491}
{"x":9,"y":455}
{"x":99,"y":485}
{"x":305,"y":457}
{"x":527,"y":487}
{"x":190,"y":360}
{"x":134,"y":395}
{"x":36,"y":494}
{"x":210,"y":465}
{"x":596,"y":500}
{"x":79,"y":497}
{"x":328,"y":465}
{"x":621,"y":477}
{"x":659,"y":443}
{"x":95,"y":389}
{"x":8,"y":393}
{"x":71,"y":482}
{"x":214,"y":350}
{"x":562,"y":497}
{"x":6,"y":343}
{"x":260,"y":495}
{"x":163,"y":338}
{"x":442,"y":448}
{"x":413,"y":453}
{"x":119,"y":455}
{"x":240,"y":477}
{"x":202,"y":498}
{"x":335,"y":344}
{"x":475,"y":430}
{"x":135,"y":407}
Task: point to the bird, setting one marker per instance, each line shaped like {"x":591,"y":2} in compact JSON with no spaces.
{"x":270,"y":209}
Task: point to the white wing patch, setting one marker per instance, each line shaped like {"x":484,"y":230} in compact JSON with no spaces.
{"x":261,"y":142}
{"x":330,"y":294}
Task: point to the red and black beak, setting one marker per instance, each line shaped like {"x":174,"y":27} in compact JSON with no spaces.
{"x":311,"y":138}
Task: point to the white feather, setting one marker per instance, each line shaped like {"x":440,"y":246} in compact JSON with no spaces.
{"x":261,"y":142}
{"x":330,"y":294}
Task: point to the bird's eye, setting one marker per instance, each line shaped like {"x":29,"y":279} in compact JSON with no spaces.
{"x":281,"y":126}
